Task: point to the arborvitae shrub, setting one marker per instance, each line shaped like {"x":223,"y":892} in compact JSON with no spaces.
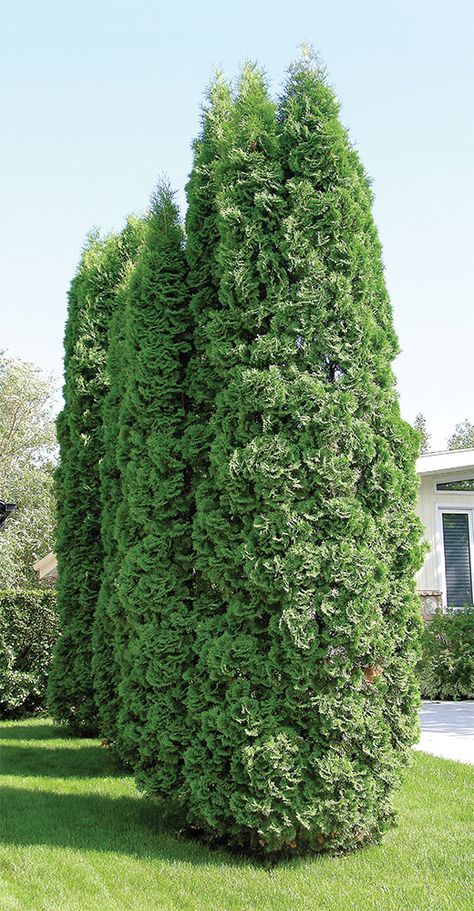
{"x":263,"y":672}
{"x":78,"y":545}
{"x":229,"y":682}
{"x":109,"y":621}
{"x":304,"y":697}
{"x":155,"y":572}
{"x":202,"y":380}
{"x":29,"y":627}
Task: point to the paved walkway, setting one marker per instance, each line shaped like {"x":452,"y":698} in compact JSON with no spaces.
{"x":447,"y":730}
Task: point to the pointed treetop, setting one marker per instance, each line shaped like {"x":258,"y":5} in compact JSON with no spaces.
{"x":309,"y":59}
{"x":163,"y":195}
{"x":254,"y":109}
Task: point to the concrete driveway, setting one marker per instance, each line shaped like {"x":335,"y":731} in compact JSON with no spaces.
{"x":447,"y":730}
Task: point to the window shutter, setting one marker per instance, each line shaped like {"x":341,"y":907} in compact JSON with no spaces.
{"x":457,"y":557}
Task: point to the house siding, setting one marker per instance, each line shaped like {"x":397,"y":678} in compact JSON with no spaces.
{"x":430,"y":578}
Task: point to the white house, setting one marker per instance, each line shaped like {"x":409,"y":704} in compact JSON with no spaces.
{"x":446,"y":508}
{"x":47,"y":568}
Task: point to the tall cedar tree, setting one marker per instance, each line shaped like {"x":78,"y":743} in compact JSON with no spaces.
{"x":109,"y":620}
{"x":202,"y":236}
{"x":155,"y":573}
{"x":305,"y":532}
{"x":203,"y":374}
{"x":78,"y":545}
{"x":228,"y":687}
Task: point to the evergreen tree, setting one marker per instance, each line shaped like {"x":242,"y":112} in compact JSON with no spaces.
{"x":422,"y":429}
{"x":463,"y":436}
{"x":155,"y":572}
{"x":109,"y":620}
{"x":306,"y":538}
{"x":78,"y":544}
{"x":228,"y":688}
{"x":202,"y":234}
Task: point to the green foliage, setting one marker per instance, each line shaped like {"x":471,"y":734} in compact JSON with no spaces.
{"x":421,"y":428}
{"x":446,"y":668}
{"x":29,"y":628}
{"x":257,"y":627}
{"x":202,"y":380}
{"x":463,"y":436}
{"x":304,"y":701}
{"x":109,"y":620}
{"x":92,"y":301}
{"x":27,"y":456}
{"x":154,"y":576}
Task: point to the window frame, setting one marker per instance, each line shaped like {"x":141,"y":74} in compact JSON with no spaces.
{"x":455,"y":492}
{"x":466,"y":510}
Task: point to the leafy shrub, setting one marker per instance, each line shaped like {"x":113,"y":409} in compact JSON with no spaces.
{"x":29,"y":628}
{"x":447,"y":664}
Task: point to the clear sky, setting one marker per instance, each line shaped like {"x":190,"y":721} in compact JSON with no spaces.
{"x":101,"y":97}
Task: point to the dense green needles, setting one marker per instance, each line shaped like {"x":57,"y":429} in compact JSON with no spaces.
{"x":257,"y":627}
{"x":154,"y":576}
{"x":92,"y":302}
{"x":109,"y":620}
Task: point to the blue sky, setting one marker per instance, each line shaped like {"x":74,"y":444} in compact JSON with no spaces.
{"x":100,"y":98}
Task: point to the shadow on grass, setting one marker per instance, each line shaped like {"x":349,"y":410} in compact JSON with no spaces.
{"x":86,"y":821}
{"x":59,"y":762}
{"x":32,"y":730}
{"x":135,"y":827}
{"x":55,"y":759}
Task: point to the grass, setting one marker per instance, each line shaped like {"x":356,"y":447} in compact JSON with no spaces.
{"x":76,"y":836}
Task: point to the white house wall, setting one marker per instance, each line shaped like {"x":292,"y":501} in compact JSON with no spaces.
{"x":430,"y":504}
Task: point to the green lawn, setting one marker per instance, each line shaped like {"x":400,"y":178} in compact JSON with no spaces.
{"x":76,"y":836}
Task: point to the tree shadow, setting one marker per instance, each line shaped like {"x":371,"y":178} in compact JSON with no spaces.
{"x":59,"y":762}
{"x":128,"y":825}
{"x":56,"y":759}
{"x":135,"y":827}
{"x":32,"y":730}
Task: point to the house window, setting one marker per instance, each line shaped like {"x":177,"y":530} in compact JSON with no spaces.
{"x":467,"y":484}
{"x":457,"y":538}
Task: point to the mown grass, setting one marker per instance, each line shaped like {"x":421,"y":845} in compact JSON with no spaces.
{"x":76,"y":836}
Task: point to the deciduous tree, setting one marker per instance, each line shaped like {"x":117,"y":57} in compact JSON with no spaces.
{"x":27,"y":459}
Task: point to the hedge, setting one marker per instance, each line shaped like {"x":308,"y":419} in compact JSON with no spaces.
{"x":446,"y":668}
{"x":29,"y":627}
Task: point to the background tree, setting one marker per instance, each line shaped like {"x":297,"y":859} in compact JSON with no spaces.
{"x":421,"y":428}
{"x":27,"y":458}
{"x":463,"y":436}
{"x":154,"y":577}
{"x":306,"y":537}
{"x":92,"y":301}
{"x":109,"y":621}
